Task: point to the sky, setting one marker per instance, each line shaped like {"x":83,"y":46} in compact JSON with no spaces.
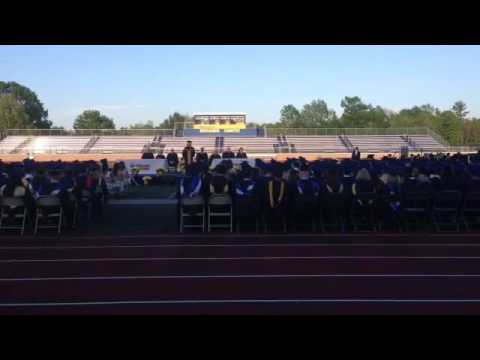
{"x":134,"y":84}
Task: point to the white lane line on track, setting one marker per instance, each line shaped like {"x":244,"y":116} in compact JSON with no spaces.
{"x":236,"y":301}
{"x":61,"y":247}
{"x":239,"y":258}
{"x":242,"y":236}
{"x":242,"y":276}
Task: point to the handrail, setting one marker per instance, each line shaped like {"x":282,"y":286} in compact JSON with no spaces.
{"x":87,"y":132}
{"x":273,"y":131}
{"x":438,"y":137}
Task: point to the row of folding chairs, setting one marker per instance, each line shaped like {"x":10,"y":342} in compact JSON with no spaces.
{"x":442,"y":211}
{"x":195,"y":213}
{"x":14,"y":214}
{"x":48,"y":214}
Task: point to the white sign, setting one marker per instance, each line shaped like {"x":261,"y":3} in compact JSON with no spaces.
{"x":234,"y":161}
{"x":146,"y":166}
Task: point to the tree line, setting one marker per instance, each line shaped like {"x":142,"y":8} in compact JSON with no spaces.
{"x":21,"y":108}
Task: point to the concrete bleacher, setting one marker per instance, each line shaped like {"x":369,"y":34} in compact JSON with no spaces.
{"x":178,"y":143}
{"x":256,"y":145}
{"x":426,"y":143}
{"x":378,"y":143}
{"x":312,"y":144}
{"x":10,"y":143}
{"x":121,"y":144}
{"x":56,"y":144}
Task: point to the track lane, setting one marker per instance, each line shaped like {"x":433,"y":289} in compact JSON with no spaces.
{"x":238,"y":266}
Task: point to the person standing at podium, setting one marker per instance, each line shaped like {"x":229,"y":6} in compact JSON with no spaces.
{"x":188,"y":154}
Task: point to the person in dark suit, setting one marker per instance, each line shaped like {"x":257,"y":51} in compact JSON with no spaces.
{"x":228,"y":154}
{"x":172,"y":159}
{"x":147,"y":155}
{"x":241,"y":154}
{"x":188,"y":154}
{"x":356,"y":154}
{"x":160,"y":155}
{"x":202,"y":159}
{"x":214,"y":156}
{"x":201,"y":156}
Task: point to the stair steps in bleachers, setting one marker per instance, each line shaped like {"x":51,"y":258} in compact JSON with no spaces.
{"x":346,"y":142}
{"x":21,"y":146}
{"x":90,"y":144}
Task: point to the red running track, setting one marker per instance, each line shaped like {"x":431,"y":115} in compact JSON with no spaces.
{"x":215,"y":274}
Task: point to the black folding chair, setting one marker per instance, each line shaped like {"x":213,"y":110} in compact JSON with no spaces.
{"x":445,"y":210}
{"x":13,"y":214}
{"x":417,"y":209}
{"x":246,"y":208}
{"x":49,"y":214}
{"x":332,"y":211}
{"x":470,"y":210}
{"x":304,"y":212}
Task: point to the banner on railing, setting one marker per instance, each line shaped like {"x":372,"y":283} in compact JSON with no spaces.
{"x":146,"y":166}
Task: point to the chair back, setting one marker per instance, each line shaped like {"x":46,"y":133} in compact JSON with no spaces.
{"x":472,"y":201}
{"x":48,"y":201}
{"x":11,"y":202}
{"x":449,"y":199}
{"x":417,"y":200}
{"x":193,"y":201}
{"x":220,"y":199}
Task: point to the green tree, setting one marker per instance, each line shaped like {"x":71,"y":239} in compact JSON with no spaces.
{"x":12,"y":113}
{"x":357,"y":114}
{"x":36,"y":113}
{"x":460,"y":109}
{"x":317,"y":114}
{"x":93,"y":119}
{"x":450,"y":127}
{"x":147,"y":125}
{"x":176,"y":120}
{"x":290,"y":117}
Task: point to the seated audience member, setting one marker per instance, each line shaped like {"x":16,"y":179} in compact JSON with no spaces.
{"x":276,"y":197}
{"x":228,"y":154}
{"x":241,"y":154}
{"x":18,"y":187}
{"x":191,"y":184}
{"x":473,"y":181}
{"x":389,"y":199}
{"x":423,"y":184}
{"x":160,"y":155}
{"x":448,"y":181}
{"x":219,"y":184}
{"x":118,"y":180}
{"x":245,"y":186}
{"x":15,"y":186}
{"x":147,"y":155}
{"x":202,"y":159}
{"x":410,"y":183}
{"x":95,"y":184}
{"x":40,"y":182}
{"x":363,"y":183}
{"x":215,"y":155}
{"x":172,"y":159}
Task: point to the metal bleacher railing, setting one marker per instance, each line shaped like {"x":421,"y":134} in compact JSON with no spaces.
{"x":88,"y":132}
{"x":273,"y":132}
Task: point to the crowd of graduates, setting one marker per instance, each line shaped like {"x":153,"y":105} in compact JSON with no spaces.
{"x":80,"y":186}
{"x":331,"y":192}
{"x":281,"y":194}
